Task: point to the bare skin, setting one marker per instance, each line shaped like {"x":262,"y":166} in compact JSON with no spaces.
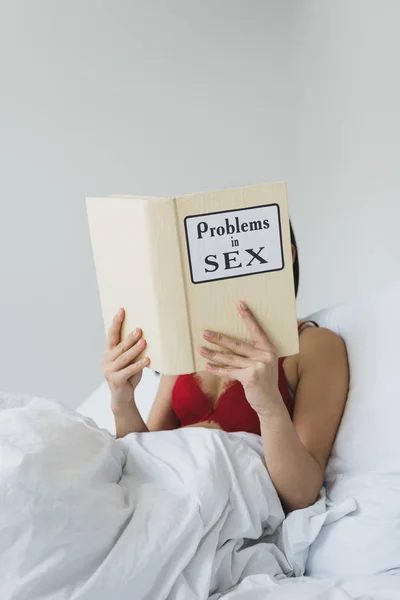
{"x":296,"y":452}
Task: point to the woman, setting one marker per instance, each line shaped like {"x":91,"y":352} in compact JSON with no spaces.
{"x":295,"y":403}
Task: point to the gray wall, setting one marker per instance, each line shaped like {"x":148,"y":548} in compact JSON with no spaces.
{"x":178,"y":96}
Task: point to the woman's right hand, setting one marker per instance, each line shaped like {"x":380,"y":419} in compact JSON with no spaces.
{"x":120,"y":367}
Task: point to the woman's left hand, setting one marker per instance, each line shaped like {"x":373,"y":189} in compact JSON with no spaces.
{"x":254,"y":364}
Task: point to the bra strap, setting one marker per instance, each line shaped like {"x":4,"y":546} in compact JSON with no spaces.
{"x":306,"y":324}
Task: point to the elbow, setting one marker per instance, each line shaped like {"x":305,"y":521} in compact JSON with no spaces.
{"x":300,"y":502}
{"x":304,"y":497}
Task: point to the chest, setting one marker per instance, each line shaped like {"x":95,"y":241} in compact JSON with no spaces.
{"x":214,"y":387}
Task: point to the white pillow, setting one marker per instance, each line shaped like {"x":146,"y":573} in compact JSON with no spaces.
{"x":365,"y":461}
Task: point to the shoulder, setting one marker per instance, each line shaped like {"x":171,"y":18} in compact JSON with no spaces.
{"x":323,"y":383}
{"x":320,"y":345}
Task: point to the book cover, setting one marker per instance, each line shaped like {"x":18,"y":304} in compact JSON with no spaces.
{"x":180,"y":265}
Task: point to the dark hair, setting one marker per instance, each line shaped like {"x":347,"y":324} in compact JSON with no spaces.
{"x":296,"y":267}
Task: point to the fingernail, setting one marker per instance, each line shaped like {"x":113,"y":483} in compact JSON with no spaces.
{"x":145,"y":361}
{"x":243,"y":305}
{"x":135,"y":332}
{"x":203,"y":350}
{"x":208,"y":334}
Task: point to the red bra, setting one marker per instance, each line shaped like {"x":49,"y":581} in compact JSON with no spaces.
{"x":231,"y":412}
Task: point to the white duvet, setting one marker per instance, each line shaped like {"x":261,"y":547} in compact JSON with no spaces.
{"x":184,"y":515}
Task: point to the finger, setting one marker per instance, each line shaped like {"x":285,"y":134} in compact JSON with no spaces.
{"x":129,"y":356}
{"x":237,"y":346}
{"x":257,"y":333}
{"x":131,"y":370}
{"x":126,"y":344}
{"x":114,"y":332}
{"x":225,"y":359}
{"x":228,"y":372}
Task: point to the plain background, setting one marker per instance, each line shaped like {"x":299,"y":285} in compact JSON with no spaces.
{"x":177,"y":96}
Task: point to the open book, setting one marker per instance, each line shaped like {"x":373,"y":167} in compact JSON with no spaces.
{"x":180,"y":265}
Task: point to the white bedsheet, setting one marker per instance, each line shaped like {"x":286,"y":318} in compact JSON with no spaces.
{"x":183,"y":515}
{"x":263,"y":587}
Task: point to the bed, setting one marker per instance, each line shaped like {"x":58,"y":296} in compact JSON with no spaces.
{"x":192,"y":515}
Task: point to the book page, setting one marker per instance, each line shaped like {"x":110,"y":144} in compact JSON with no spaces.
{"x":138,"y":265}
{"x":176,"y":352}
{"x":235,"y":245}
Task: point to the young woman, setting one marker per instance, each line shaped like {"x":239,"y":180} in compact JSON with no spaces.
{"x":295,"y":403}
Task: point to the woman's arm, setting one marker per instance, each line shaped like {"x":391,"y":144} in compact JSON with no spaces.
{"x":295,"y":453}
{"x":122,"y":369}
{"x":128,"y":420}
{"x":162,"y":416}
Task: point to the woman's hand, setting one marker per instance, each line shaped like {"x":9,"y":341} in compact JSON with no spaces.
{"x":254,"y":364}
{"x":120,"y":367}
